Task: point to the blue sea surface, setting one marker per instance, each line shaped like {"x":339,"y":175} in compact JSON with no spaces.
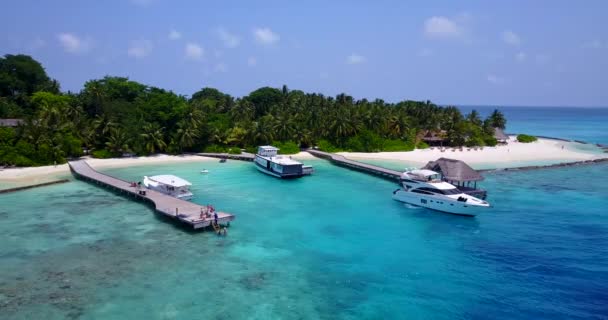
{"x":576,"y":123}
{"x":330,"y":246}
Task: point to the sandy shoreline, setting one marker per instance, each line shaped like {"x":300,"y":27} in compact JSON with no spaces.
{"x":514,"y":152}
{"x":19,"y":176}
{"x":543,"y":150}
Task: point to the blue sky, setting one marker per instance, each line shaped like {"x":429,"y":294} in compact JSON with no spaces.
{"x":551,"y":53}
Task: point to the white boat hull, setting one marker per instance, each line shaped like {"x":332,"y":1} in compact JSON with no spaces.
{"x":439,"y":204}
{"x":270,"y":173}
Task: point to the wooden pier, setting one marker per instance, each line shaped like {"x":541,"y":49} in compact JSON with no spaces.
{"x":183,"y":211}
{"x":356,"y":165}
{"x":44,"y":184}
{"x":242,"y":156}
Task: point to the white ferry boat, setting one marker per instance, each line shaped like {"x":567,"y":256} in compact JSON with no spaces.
{"x":169,"y":185}
{"x":424,"y":188}
{"x":268,"y":162}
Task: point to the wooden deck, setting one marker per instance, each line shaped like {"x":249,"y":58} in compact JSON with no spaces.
{"x":356,"y":165}
{"x":184,"y":211}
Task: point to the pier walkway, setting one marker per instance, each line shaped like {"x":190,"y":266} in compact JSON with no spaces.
{"x":356,"y":165}
{"x":243,"y":156}
{"x":184,"y":211}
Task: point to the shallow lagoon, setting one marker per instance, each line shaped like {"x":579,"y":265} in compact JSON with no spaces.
{"x":332,"y":246}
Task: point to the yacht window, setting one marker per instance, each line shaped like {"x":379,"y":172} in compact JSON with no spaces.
{"x":442,"y":191}
{"x":421,"y":191}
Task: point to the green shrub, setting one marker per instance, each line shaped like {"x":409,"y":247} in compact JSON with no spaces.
{"x":490,"y":141}
{"x":288,"y":147}
{"x":214,"y":148}
{"x":234,"y":150}
{"x":397,"y":145}
{"x":253,"y":150}
{"x":326,"y":146}
{"x":422,"y":145}
{"x":101,"y":154}
{"x":526,"y":138}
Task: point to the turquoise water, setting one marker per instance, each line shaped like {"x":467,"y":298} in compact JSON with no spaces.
{"x":330,"y":246}
{"x":586,"y":124}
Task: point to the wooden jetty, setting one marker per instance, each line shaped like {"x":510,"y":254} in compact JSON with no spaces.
{"x":243,"y":156}
{"x":15,"y":189}
{"x":184,"y":211}
{"x":389,"y":174}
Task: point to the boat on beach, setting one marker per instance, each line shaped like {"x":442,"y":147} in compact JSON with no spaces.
{"x":425,"y":188}
{"x":170,"y":185}
{"x":268,"y":162}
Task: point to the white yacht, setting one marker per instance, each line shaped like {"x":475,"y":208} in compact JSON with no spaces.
{"x":267,"y":161}
{"x":424,"y":188}
{"x":169,"y":185}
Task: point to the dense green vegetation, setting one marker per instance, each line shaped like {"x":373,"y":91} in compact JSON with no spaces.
{"x":114,"y":115}
{"x":526,"y":138}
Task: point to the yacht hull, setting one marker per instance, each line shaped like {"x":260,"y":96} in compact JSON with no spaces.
{"x":439,"y":204}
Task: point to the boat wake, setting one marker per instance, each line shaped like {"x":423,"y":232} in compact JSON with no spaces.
{"x":411,"y":206}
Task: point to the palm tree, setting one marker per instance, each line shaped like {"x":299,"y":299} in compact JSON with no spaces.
{"x":185,"y":135}
{"x":118,"y":141}
{"x":153,"y":137}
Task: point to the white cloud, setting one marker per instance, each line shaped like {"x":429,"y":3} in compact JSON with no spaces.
{"x":511,"y":38}
{"x":194,"y":51}
{"x":220,"y":67}
{"x":73,"y":44}
{"x":175,"y":35}
{"x":265,"y":36}
{"x":140,"y":49}
{"x":520,"y":56}
{"x":493,"y":79}
{"x":230,"y":40}
{"x":252,"y":61}
{"x":442,"y":27}
{"x":355,"y":59}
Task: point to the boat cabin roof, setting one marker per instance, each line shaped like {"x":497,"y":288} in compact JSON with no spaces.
{"x":268,"y":148}
{"x":284,"y":161}
{"x":170,"y":180}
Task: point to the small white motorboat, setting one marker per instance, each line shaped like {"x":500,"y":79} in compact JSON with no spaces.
{"x":204,"y":171}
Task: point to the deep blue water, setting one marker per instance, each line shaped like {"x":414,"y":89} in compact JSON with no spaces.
{"x":330,"y":246}
{"x":586,"y":124}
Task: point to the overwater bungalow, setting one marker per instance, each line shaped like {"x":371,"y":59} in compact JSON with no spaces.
{"x":459,"y":174}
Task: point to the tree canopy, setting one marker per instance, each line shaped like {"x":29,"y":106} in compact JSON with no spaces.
{"x":115,"y":115}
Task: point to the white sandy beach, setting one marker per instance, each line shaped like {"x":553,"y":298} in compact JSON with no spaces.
{"x":540,"y":151}
{"x":543,"y":150}
{"x":32,"y":175}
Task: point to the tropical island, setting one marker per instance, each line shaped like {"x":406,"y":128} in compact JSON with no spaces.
{"x":125,"y":122}
{"x":114,"y":116}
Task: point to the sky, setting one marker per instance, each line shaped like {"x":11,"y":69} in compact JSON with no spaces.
{"x":504,"y":53}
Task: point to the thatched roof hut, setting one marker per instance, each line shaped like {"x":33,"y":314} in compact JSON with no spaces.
{"x":454,"y":170}
{"x":434,"y":137}
{"x":500,"y":135}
